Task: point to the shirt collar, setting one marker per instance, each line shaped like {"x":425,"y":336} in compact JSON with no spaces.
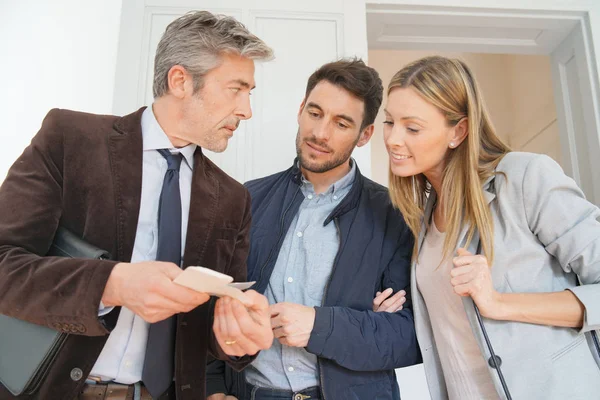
{"x":347,"y":180}
{"x":154,"y":138}
{"x":343,"y":183}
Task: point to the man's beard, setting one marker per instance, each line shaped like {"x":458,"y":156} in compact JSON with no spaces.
{"x":338,"y":158}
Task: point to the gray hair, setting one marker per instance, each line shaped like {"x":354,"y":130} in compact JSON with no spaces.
{"x":196,"y":41}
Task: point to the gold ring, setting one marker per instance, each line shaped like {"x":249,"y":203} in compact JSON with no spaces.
{"x":229,"y":342}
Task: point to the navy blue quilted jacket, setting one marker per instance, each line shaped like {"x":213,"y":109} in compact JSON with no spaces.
{"x":357,"y":348}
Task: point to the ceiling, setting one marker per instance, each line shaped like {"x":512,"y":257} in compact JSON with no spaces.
{"x":464,"y":30}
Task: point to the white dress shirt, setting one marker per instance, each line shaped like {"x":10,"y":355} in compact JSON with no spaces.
{"x":122,"y":358}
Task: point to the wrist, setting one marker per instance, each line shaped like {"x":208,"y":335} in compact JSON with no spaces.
{"x":110,"y":297}
{"x":501,"y":307}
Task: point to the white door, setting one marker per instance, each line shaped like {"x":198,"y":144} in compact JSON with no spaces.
{"x":304,"y":35}
{"x":575,"y":89}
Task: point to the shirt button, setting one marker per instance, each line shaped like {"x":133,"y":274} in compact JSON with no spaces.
{"x":335,"y":197}
{"x":290,"y":279}
{"x":299,"y":234}
{"x":310,"y":196}
{"x":128,"y":364}
{"x":291,"y":369}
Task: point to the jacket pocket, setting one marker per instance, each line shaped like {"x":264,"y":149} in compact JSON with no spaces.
{"x":378,"y":390}
{"x":568,"y":348}
{"x":225,"y":233}
{"x":575,"y":374}
{"x":222,"y":245}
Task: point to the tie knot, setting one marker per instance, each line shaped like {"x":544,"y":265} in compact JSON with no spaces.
{"x":173,"y":160}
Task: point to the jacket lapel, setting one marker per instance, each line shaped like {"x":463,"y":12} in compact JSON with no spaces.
{"x":489,"y":194}
{"x":204,"y":202}
{"x":125,"y":147}
{"x":422,"y":321}
{"x":427,"y":215}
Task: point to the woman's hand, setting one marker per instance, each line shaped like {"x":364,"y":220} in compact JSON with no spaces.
{"x":471,"y":276}
{"x":384,"y":303}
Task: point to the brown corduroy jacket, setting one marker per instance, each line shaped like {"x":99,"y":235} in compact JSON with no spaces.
{"x":84,"y":172}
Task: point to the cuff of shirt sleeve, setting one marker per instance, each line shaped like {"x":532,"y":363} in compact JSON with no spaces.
{"x":321,"y":330}
{"x":589,"y":296}
{"x":102,"y":310}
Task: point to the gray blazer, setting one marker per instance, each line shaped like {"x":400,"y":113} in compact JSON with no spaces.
{"x":546,"y":237}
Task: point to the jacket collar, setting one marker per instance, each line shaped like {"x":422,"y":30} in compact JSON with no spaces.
{"x":125,"y":153}
{"x":348,"y":203}
{"x":489,"y":193}
{"x":126,"y":156}
{"x":155,"y":138}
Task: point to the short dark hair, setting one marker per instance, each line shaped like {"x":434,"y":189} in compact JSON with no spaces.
{"x":357,"y":78}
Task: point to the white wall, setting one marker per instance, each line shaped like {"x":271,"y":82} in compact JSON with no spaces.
{"x":59,"y":53}
{"x":535,"y":127}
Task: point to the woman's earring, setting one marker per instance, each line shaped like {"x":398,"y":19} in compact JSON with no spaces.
{"x":452,"y":144}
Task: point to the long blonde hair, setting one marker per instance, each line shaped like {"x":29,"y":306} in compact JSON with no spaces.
{"x":449,"y":85}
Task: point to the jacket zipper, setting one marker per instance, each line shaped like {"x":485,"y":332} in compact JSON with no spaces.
{"x":281,"y":235}
{"x":36,"y":381}
{"x":337,"y":227}
{"x":242,"y":374}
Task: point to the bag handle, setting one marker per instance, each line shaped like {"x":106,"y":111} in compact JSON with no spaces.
{"x":494,"y":361}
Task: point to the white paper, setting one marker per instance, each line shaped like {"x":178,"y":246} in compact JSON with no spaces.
{"x":214,"y":283}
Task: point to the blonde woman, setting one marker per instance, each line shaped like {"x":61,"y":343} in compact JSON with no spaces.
{"x":506,"y":268}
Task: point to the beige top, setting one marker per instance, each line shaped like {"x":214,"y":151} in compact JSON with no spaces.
{"x":465,"y":371}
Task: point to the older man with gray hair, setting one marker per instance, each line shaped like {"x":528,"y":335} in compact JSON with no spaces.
{"x":140,"y":187}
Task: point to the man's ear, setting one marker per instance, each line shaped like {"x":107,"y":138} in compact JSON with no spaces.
{"x":365,"y":135}
{"x":179,"y":81}
{"x":301,"y":108}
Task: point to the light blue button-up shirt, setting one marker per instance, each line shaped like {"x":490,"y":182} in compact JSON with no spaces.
{"x":122,"y":358}
{"x":301,"y":272}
